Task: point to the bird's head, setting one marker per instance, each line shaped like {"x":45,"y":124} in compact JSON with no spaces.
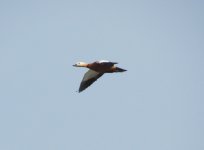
{"x":80,"y":64}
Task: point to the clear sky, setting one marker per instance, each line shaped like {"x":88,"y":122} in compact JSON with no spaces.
{"x":158,"y":104}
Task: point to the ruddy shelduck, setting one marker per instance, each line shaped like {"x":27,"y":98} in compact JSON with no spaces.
{"x":96,"y":70}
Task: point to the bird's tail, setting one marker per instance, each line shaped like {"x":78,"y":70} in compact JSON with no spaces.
{"x":117,"y":69}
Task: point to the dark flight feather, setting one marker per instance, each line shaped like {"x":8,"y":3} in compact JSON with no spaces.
{"x":87,"y":83}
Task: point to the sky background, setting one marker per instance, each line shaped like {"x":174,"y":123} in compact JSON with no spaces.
{"x":158,"y":104}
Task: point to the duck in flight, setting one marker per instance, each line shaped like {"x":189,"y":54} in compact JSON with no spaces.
{"x":96,"y":70}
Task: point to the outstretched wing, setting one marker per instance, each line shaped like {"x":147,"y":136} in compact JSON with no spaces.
{"x":89,"y":78}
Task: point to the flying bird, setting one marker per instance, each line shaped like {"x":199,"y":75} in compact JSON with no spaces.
{"x":96,"y":70}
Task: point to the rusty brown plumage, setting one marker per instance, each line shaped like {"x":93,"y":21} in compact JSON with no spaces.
{"x":96,"y":70}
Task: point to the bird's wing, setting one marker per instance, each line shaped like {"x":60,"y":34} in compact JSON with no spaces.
{"x":103,"y":61}
{"x":89,"y":77}
{"x":106,"y":63}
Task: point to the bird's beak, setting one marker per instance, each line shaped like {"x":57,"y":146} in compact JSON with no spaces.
{"x":74,"y":65}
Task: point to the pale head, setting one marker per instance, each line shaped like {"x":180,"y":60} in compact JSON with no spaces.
{"x":80,"y":64}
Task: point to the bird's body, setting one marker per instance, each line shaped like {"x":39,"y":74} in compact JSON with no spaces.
{"x":96,"y":70}
{"x":106,"y":67}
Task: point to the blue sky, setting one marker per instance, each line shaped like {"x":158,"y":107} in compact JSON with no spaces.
{"x":157,"y":104}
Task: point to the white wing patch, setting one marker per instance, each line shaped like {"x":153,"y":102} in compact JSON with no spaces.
{"x":89,"y":74}
{"x":102,"y":61}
